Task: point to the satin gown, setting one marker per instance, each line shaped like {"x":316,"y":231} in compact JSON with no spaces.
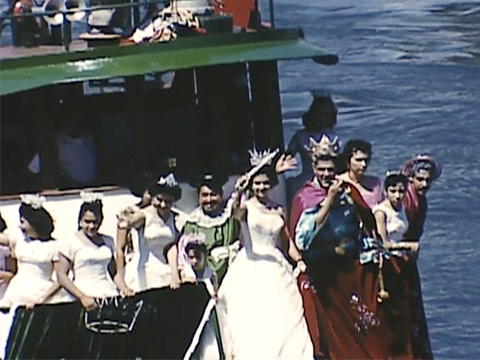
{"x":264,"y":312}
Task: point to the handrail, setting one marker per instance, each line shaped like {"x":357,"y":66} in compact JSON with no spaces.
{"x":86,"y":9}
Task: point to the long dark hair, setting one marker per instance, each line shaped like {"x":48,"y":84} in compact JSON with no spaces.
{"x":96,"y":207}
{"x":350,"y":148}
{"x":39,"y":219}
{"x":395,"y":178}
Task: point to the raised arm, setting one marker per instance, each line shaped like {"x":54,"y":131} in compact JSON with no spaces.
{"x":324,"y":210}
{"x":239,"y":207}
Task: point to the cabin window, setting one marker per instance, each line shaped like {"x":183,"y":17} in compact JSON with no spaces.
{"x":110,"y":132}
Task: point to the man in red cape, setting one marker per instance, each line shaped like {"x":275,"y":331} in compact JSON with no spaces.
{"x":341,"y":324}
{"x":421,"y":170}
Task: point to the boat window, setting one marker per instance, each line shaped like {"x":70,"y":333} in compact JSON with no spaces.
{"x":88,"y":134}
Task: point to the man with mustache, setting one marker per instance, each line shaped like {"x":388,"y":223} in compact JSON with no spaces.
{"x":421,"y":170}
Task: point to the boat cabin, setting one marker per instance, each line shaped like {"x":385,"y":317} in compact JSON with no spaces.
{"x":87,"y":108}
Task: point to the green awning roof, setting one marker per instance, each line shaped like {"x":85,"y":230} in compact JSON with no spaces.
{"x":113,"y":61}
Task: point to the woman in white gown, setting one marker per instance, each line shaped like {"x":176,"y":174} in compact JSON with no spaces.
{"x":264,"y":311}
{"x":157,"y":231}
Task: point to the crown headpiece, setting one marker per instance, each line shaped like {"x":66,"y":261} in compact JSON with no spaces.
{"x":262,"y":158}
{"x":169,"y":180}
{"x":34,"y":200}
{"x":90,"y":197}
{"x":325,"y":147}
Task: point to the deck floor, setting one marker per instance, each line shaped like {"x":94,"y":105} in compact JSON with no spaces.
{"x":15,"y":52}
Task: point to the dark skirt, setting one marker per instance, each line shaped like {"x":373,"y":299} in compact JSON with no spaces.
{"x":346,"y":321}
{"x":163,"y":328}
{"x":342,"y":323}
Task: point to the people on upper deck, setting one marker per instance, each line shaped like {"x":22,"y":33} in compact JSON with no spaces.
{"x":355,"y":157}
{"x":264,"y":312}
{"x":154,"y":265}
{"x":421,"y":170}
{"x":76,"y":148}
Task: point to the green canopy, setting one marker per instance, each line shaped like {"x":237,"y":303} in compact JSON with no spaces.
{"x":28,"y":72}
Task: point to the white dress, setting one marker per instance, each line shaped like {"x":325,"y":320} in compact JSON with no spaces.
{"x":396,"y":222}
{"x":90,"y":266}
{"x":263,"y":306}
{"x":34,"y":271}
{"x":31,"y":281}
{"x":148,"y":267}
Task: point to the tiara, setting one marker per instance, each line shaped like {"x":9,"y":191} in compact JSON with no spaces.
{"x":115,"y":315}
{"x":325,"y":147}
{"x":169,"y":180}
{"x":261,"y":158}
{"x":34,"y":200}
{"x":90,"y":197}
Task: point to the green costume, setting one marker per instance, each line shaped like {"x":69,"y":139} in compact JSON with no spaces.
{"x":220,"y":232}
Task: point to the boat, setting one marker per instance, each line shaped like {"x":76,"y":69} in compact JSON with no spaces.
{"x":198,"y":101}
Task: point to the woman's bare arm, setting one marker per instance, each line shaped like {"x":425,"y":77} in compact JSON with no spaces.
{"x":62,"y":267}
{"x":119,"y":278}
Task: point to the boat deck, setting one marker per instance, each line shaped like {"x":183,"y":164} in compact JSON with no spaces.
{"x":12,"y":52}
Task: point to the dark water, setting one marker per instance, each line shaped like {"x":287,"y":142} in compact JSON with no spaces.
{"x":408,"y":80}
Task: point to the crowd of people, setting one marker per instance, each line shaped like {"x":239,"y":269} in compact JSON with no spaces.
{"x":334,"y":278}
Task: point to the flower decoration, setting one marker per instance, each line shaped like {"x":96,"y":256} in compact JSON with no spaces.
{"x":90,"y":197}
{"x":34,"y":200}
